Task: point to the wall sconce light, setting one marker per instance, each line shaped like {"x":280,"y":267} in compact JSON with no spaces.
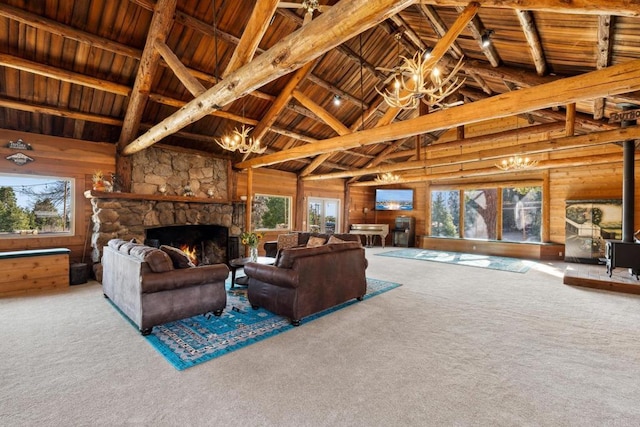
{"x":337,"y":100}
{"x":486,"y":37}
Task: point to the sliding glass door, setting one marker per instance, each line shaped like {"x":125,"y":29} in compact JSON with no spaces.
{"x":323,"y":215}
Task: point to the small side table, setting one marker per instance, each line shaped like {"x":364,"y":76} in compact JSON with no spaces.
{"x":237,"y":263}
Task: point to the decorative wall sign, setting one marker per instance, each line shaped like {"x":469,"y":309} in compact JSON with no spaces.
{"x":19,"y":159}
{"x":19,"y":145}
{"x":625,"y":116}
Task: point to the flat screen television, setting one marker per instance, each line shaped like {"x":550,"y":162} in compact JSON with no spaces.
{"x":396,"y":199}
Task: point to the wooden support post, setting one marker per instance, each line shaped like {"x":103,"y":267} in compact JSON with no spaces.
{"x":247,"y":218}
{"x":570,"y":125}
{"x":546,"y":207}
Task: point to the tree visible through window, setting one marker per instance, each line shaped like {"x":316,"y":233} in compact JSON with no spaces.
{"x":521,"y":213}
{"x":35,"y":205}
{"x":445,"y":213}
{"x":481,"y":213}
{"x":270,"y":212}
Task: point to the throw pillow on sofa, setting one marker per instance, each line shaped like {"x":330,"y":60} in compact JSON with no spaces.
{"x":286,"y":241}
{"x":314,"y":242}
{"x":179,"y":258}
{"x":334,"y":239}
{"x":158,"y":261}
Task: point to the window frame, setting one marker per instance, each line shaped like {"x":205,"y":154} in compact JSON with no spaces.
{"x":288,"y":208}
{"x":463,"y":189}
{"x":70,"y":208}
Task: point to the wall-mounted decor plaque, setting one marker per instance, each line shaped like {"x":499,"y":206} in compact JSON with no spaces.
{"x":19,"y":145}
{"x":19,"y":159}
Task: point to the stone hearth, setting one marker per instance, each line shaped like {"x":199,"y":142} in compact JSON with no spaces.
{"x":127,"y":217}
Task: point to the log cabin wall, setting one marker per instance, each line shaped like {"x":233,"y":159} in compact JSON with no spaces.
{"x":62,"y":157}
{"x":80,"y":159}
{"x":271,"y":182}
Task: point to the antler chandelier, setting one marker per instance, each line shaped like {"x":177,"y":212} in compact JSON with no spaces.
{"x":239,"y":140}
{"x":516,"y":163}
{"x":418,"y":79}
{"x":387,"y":178}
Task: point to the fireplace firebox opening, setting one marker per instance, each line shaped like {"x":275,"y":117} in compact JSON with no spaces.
{"x":205,"y":244}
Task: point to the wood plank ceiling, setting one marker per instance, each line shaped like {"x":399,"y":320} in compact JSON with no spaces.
{"x":133,"y":73}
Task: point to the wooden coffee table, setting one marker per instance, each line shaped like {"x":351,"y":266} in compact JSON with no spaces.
{"x":237,"y":263}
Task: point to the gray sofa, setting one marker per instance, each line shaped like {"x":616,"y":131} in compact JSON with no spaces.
{"x":144,"y":283}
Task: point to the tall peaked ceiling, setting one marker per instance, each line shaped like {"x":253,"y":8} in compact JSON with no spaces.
{"x":133,"y":73}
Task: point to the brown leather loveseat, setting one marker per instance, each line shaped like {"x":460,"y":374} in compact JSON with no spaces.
{"x":306,"y":280}
{"x":144,"y":283}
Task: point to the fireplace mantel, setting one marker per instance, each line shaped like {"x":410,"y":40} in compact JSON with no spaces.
{"x":92,"y":194}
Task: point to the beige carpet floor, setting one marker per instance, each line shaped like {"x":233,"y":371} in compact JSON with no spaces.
{"x":454,"y":346}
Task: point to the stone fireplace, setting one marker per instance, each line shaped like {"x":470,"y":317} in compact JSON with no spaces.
{"x":184,"y":191}
{"x":129,"y":216}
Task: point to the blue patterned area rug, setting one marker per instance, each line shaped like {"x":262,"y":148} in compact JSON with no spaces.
{"x":473,"y":260}
{"x":188,"y":342}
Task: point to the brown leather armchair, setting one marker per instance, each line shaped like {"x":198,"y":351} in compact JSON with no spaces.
{"x":308,"y":280}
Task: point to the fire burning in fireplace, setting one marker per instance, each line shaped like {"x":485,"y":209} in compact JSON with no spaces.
{"x":191,"y":253}
{"x":204,"y":244}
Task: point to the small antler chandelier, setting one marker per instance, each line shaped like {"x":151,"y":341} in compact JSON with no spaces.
{"x":516,"y":163}
{"x":239,"y":140}
{"x":387,"y":178}
{"x":417,"y":79}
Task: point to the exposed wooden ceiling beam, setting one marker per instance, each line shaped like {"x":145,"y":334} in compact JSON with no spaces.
{"x":477,"y":29}
{"x":282,"y":100}
{"x":343,"y":21}
{"x":408,"y":32}
{"x":441,"y":153}
{"x":438,"y":51}
{"x":252,"y":35}
{"x":533,"y":39}
{"x":619,"y":78}
{"x":336,"y":90}
{"x":22,"y":64}
{"x":341,"y":48}
{"x":161,"y":23}
{"x":326,"y":117}
{"x":59,"y":112}
{"x":604,"y":55}
{"x":582,"y":7}
{"x":493,"y":171}
{"x":323,"y":114}
{"x":439,"y":27}
{"x":583,"y":121}
{"x":182,"y":73}
{"x":66,"y":31}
